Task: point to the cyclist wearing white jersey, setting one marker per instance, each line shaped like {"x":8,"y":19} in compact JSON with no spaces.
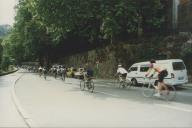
{"x":122,"y":72}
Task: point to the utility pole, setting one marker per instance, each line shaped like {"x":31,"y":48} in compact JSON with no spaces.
{"x":175,"y":4}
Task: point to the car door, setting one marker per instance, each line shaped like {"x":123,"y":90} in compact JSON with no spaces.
{"x":132,"y":72}
{"x":142,"y":71}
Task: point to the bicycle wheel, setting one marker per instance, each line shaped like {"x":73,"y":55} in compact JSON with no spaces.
{"x":116,"y":82}
{"x":129,"y":84}
{"x":169,"y":95}
{"x":148,"y":90}
{"x":82,"y":85}
{"x":45,"y":76}
{"x":62,"y":77}
{"x":91,"y":86}
{"x":122,"y":84}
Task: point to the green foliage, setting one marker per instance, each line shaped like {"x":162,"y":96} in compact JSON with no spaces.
{"x":187,"y":56}
{"x":95,"y":19}
{"x":1,"y":50}
{"x":42,"y":26}
{"x":5,"y":63}
{"x":28,"y":40}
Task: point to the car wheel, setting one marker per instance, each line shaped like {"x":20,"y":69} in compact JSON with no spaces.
{"x":134,"y":82}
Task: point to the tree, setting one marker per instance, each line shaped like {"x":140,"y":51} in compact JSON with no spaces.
{"x":1,"y":50}
{"x":5,"y":63}
{"x":44,"y":27}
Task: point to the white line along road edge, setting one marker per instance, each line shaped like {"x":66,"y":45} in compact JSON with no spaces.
{"x":28,"y":121}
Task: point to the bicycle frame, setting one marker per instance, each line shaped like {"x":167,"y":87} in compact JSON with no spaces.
{"x":151,"y":89}
{"x":122,"y":82}
{"x":89,"y":84}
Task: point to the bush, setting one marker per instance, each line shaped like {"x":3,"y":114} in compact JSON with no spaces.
{"x":5,"y":63}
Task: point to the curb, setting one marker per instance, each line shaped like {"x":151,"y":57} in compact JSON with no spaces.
{"x":2,"y":74}
{"x":28,"y":121}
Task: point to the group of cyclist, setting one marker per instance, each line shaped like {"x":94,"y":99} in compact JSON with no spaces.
{"x":42,"y":71}
{"x":154,"y":69}
{"x":88,"y":74}
{"x":62,"y":71}
{"x":54,"y":70}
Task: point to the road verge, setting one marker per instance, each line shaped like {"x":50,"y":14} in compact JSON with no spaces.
{"x":6,"y":73}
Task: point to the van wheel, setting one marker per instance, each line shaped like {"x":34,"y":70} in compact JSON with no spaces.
{"x":134,"y":82}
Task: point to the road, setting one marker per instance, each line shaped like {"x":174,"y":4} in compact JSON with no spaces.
{"x":9,"y":114}
{"x":55,"y":103}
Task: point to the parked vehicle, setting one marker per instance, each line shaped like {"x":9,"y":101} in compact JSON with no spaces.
{"x":71,"y":72}
{"x":177,"y":72}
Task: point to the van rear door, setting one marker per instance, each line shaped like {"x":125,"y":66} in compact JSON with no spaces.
{"x":179,"y":73}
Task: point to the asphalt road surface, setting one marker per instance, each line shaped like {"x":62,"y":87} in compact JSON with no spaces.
{"x":9,"y":114}
{"x":57,"y":103}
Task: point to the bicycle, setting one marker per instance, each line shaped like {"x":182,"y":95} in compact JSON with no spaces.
{"x":151,"y":88}
{"x":89,"y":84}
{"x":63,"y":76}
{"x":45,"y":75}
{"x":123,"y":82}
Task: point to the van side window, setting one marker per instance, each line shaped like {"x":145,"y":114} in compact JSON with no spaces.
{"x":178,"y":66}
{"x":144,"y":69}
{"x":133,"y":69}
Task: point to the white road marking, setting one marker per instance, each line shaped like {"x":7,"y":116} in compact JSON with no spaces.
{"x":176,"y":108}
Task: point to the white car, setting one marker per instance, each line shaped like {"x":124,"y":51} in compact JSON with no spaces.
{"x":177,"y":72}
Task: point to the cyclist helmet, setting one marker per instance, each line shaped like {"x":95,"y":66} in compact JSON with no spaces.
{"x":152,"y":61}
{"x":119,"y":65}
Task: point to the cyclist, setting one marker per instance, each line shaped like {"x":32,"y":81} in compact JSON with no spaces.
{"x":55,"y":71}
{"x":121,"y":72}
{"x":89,"y":73}
{"x":40,"y":71}
{"x":88,"y":76}
{"x":44,"y":70}
{"x":63,"y":72}
{"x":161,"y":72}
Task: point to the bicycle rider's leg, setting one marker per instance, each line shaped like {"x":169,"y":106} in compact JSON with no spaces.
{"x":124,"y":76}
{"x":165,"y":73}
{"x":161,"y":84}
{"x":120,"y":78}
{"x":164,"y":86}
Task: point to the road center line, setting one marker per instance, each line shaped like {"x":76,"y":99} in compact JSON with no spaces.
{"x":173,"y":107}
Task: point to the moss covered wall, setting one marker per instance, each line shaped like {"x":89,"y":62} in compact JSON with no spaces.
{"x":128,"y":53}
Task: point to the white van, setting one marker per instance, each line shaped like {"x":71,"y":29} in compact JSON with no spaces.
{"x":177,"y":73}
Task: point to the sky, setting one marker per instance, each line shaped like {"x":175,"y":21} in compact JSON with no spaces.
{"x":7,"y":11}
